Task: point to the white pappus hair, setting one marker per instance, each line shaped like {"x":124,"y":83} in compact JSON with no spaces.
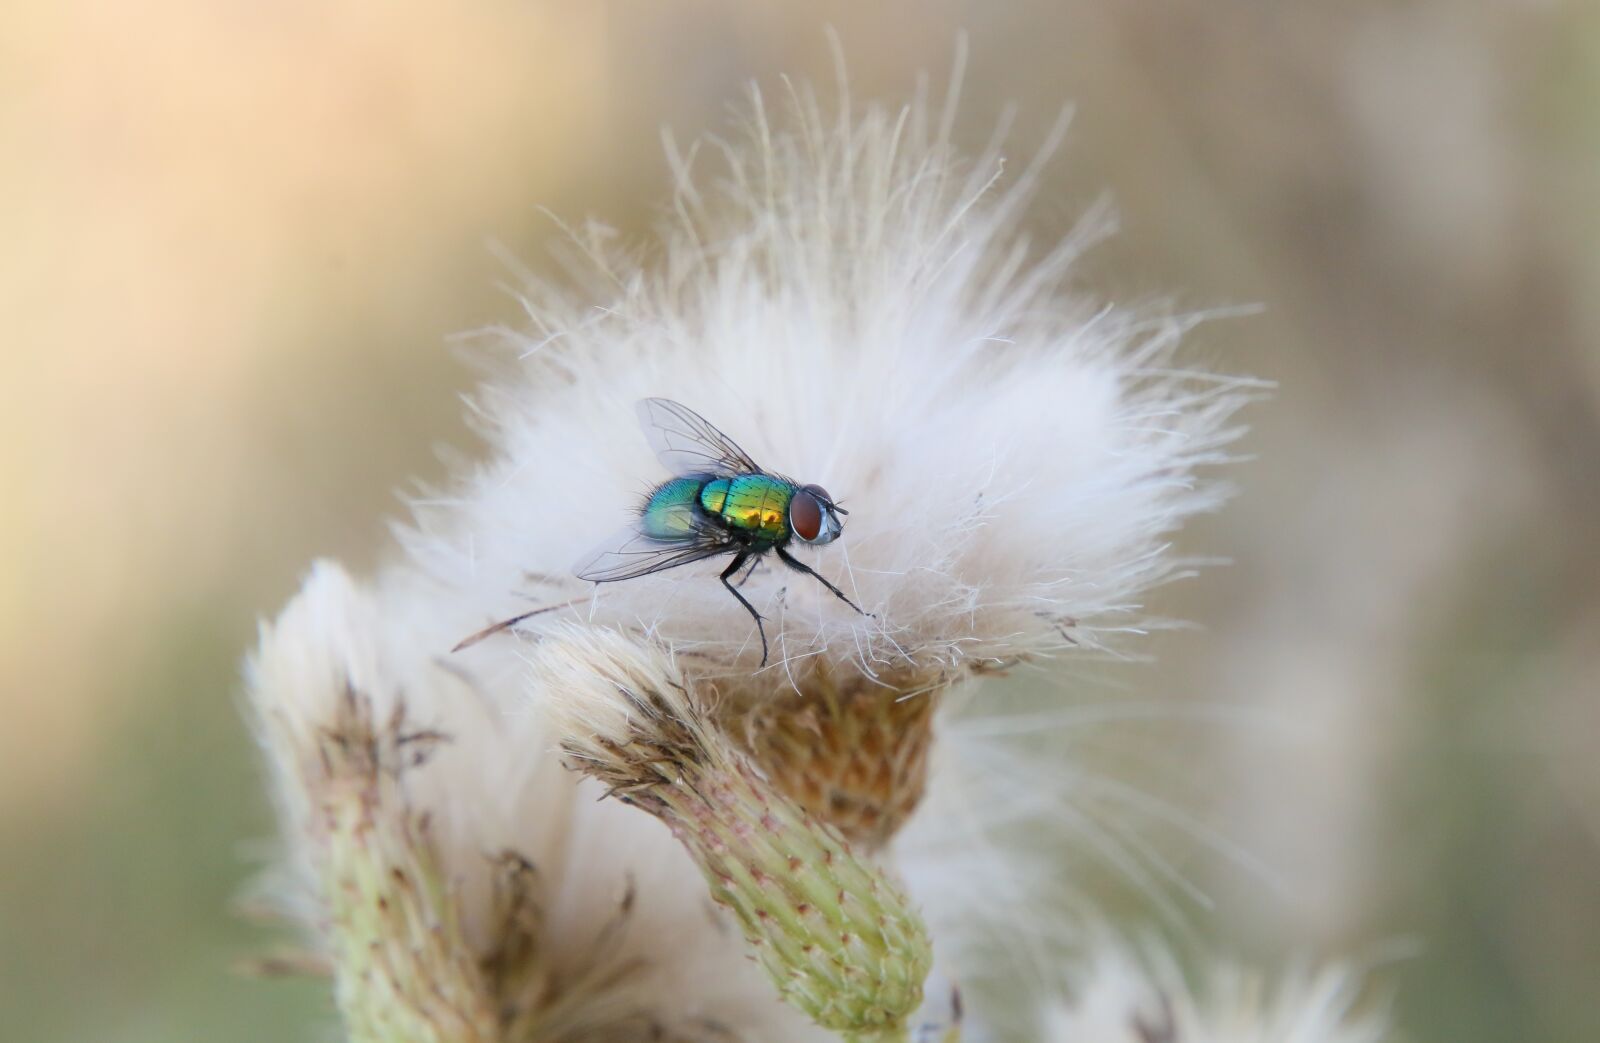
{"x":1124,"y":997}
{"x":622,"y":940}
{"x":855,"y":306}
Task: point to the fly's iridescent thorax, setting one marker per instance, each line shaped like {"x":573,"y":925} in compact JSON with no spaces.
{"x":754,"y":504}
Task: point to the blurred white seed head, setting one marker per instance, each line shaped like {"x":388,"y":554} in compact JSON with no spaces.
{"x":1127,"y":998}
{"x":458,"y":881}
{"x":852,"y":302}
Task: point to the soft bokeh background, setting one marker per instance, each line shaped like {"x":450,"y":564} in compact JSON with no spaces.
{"x":238,"y":236}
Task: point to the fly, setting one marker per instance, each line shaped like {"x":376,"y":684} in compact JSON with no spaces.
{"x":718,"y":502}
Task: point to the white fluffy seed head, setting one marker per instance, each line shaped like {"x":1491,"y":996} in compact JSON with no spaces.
{"x":338,"y":636}
{"x":588,"y":682}
{"x":1127,"y":998}
{"x":853,"y":305}
{"x":621,"y":912}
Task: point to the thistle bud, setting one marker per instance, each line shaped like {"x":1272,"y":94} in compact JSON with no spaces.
{"x":450,"y":875}
{"x":852,"y":752}
{"x":838,"y":938}
{"x":403,"y":969}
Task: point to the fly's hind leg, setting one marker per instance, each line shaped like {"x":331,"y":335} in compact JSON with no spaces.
{"x":734,"y":566}
{"x":755,"y":561}
{"x":800,"y":566}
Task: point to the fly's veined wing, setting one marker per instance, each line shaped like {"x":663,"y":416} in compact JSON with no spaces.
{"x":630,"y":553}
{"x":686,"y":443}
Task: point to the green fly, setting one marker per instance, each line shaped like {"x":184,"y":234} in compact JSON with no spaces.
{"x":718,"y":502}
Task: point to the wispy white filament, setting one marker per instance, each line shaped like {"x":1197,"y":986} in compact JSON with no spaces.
{"x":853,"y":304}
{"x":1123,"y":998}
{"x":628,"y":937}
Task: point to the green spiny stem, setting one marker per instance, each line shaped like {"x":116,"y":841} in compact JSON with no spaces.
{"x":403,"y":970}
{"x":838,"y":938}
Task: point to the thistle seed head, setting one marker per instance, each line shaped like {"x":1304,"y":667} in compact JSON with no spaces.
{"x":834,"y":932}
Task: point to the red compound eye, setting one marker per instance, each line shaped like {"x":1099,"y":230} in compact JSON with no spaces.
{"x":805,"y":515}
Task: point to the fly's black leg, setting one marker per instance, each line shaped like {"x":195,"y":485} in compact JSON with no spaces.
{"x":734,"y":566}
{"x":800,"y":566}
{"x":755,"y":559}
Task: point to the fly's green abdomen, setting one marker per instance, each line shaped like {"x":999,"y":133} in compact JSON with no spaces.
{"x":669,"y":514}
{"x":755,"y":504}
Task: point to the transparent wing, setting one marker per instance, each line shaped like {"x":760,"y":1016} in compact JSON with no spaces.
{"x":686,"y":443}
{"x":631,"y":553}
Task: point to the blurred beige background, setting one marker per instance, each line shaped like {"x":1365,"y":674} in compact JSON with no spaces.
{"x":237,"y":237}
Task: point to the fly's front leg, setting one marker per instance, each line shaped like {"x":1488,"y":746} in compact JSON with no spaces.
{"x":734,"y":566}
{"x":800,"y":566}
